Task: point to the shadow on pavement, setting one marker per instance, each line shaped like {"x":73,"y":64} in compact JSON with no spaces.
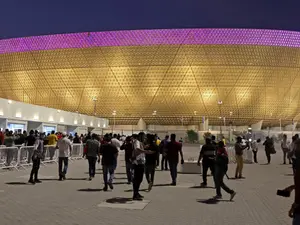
{"x":17,"y":183}
{"x":161,"y":185}
{"x":90,"y":189}
{"x":201,"y":187}
{"x":120,"y":178}
{"x":119,"y":200}
{"x":289,"y":175}
{"x":52,"y":179}
{"x":211,"y":201}
{"x":143,"y":190}
{"x":121,"y":173}
{"x":117,"y":183}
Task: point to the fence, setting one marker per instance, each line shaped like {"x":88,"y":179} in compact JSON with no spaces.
{"x":248,"y":155}
{"x":77,"y":152}
{"x":20,"y":156}
{"x":9,"y":157}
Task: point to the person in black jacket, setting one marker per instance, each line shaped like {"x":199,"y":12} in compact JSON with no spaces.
{"x":128,"y":148}
{"x":208,"y":155}
{"x":151,"y":158}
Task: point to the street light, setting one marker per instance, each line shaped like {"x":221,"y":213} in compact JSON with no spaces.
{"x":220,"y":102}
{"x":114,"y":114}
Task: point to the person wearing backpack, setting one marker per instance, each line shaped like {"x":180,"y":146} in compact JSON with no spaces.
{"x":221,"y":167}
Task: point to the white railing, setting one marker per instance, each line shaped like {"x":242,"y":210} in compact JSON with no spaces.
{"x":9,"y":157}
{"x":247,"y":155}
{"x":21,"y":156}
{"x":77,"y":151}
{"x":25,"y":156}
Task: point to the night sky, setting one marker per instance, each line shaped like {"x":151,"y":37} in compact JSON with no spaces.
{"x":19,"y":18}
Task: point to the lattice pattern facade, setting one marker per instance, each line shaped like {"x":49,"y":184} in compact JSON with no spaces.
{"x":178,"y":73}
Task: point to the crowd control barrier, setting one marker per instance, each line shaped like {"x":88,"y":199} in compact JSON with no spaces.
{"x":50,"y":154}
{"x":9,"y":157}
{"x":77,"y":152}
{"x":25,"y":156}
{"x":21,"y":156}
{"x":247,"y":155}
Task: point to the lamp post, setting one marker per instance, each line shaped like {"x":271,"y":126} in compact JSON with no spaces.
{"x":220,"y":104}
{"x":114,"y":114}
{"x":154,"y":114}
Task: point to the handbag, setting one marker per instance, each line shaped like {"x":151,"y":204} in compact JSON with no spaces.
{"x":273,"y":151}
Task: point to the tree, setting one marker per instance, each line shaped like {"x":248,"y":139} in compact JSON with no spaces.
{"x":192,"y":136}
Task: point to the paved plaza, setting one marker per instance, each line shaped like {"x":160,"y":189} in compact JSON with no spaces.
{"x":78,"y":201}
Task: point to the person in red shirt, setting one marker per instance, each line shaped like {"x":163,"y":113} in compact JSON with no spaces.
{"x":221,"y":167}
{"x":172,"y":152}
{"x":1,"y":138}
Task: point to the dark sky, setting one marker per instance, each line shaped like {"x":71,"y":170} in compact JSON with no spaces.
{"x":19,"y":18}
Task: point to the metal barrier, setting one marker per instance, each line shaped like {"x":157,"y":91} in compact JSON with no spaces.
{"x":25,"y":156}
{"x":21,"y":156}
{"x":248,"y":155}
{"x":50,"y":154}
{"x":77,"y":152}
{"x":9,"y":157}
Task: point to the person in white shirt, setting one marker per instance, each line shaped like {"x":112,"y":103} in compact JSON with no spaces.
{"x":64,"y":147}
{"x":115,"y":142}
{"x":254,"y":146}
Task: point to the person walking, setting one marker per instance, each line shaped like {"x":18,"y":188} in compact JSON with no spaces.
{"x":163,"y":147}
{"x":207,"y":155}
{"x":239,"y":148}
{"x":109,"y":154}
{"x":269,"y":148}
{"x":52,"y":140}
{"x":92,"y":151}
{"x":36,"y":159}
{"x":128,"y":148}
{"x":221,"y":167}
{"x":254,"y":146}
{"x":64,"y":147}
{"x":285,"y":149}
{"x":115,"y":141}
{"x":173,"y":149}
{"x":151,"y":158}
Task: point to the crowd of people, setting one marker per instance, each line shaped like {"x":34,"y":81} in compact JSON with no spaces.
{"x":144,"y":153}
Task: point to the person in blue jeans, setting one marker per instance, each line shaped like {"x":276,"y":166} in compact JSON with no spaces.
{"x":173,"y":149}
{"x":109,"y":155}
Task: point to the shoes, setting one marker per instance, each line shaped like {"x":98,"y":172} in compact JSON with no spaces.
{"x":64,"y":177}
{"x":31,"y":181}
{"x":60,"y":178}
{"x":150,"y":186}
{"x":105,"y":188}
{"x":241,"y":177}
{"x":218,"y":197}
{"x":232,"y":195}
{"x":204,"y":185}
{"x":38,"y":181}
{"x":138,"y":197}
{"x":90,"y":178}
{"x":111,"y":186}
{"x":173,"y":183}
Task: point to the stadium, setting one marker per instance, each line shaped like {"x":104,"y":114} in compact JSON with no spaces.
{"x":167,"y":77}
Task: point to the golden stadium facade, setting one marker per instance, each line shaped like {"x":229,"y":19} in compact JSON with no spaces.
{"x":163,"y":76}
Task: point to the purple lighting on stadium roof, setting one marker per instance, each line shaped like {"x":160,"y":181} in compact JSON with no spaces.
{"x":153,"y":37}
